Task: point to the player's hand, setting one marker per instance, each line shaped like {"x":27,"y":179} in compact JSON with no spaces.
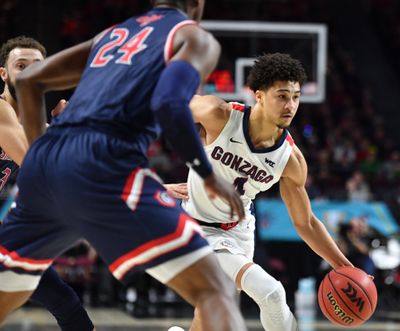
{"x":218,"y":187}
{"x":59,"y":108}
{"x":178,"y":191}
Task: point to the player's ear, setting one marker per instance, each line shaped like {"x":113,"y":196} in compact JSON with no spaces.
{"x":259,"y":96}
{"x":3,"y":74}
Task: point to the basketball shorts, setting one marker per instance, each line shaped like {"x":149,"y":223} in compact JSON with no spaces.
{"x":77,"y":183}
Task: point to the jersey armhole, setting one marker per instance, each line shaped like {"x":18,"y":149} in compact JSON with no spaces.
{"x":170,"y":39}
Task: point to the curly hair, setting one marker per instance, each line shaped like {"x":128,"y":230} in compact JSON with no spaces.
{"x":269,"y":68}
{"x":19,"y":42}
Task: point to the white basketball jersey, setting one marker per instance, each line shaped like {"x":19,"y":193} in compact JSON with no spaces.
{"x":234,"y":157}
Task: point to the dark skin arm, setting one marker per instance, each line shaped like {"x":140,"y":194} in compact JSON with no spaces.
{"x":64,"y":70}
{"x":201,"y":50}
{"x":58,"y":72}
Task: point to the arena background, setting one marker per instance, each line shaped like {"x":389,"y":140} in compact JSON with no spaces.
{"x":350,"y":140}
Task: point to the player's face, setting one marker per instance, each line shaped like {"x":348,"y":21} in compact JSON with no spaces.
{"x":18,"y":60}
{"x":281,"y":102}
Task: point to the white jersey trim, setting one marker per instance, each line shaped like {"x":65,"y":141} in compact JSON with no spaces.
{"x":170,"y":39}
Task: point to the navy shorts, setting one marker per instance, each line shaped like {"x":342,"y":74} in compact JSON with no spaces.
{"x":76,"y":184}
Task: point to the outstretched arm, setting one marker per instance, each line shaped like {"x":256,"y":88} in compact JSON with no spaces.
{"x":308,"y":226}
{"x":60,"y":71}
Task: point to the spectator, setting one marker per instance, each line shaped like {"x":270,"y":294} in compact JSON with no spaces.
{"x":353,"y":240}
{"x":357,"y":188}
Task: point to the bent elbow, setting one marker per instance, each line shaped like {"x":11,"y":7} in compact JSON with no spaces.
{"x":302,"y":224}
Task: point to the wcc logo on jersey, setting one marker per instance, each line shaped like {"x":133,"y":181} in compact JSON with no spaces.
{"x":269,"y":162}
{"x":351,"y":293}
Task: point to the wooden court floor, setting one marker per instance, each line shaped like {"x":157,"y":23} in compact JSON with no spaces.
{"x":37,"y":319}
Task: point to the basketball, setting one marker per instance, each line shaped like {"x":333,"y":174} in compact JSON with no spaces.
{"x":347,"y":296}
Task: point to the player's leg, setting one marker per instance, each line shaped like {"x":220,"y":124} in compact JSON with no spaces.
{"x":205,"y":286}
{"x":62,"y":302}
{"x":28,"y":244}
{"x":10,"y":301}
{"x":23,"y":261}
{"x":153,"y":233}
{"x":265,"y":290}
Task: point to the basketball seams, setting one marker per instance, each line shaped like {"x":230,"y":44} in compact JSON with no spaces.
{"x":362,"y":289}
{"x":321,"y":290}
{"x":343,"y":301}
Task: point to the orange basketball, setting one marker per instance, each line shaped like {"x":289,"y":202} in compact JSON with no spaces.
{"x":347,"y":296}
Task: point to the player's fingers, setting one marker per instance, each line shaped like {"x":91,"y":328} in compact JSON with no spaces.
{"x":177,"y":195}
{"x":232,"y":212}
{"x":183,"y":197}
{"x":59,"y":108}
{"x":239,"y":209}
{"x":182,"y":190}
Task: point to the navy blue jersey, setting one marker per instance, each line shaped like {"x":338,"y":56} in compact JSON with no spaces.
{"x":86,"y":177}
{"x":122,"y":70}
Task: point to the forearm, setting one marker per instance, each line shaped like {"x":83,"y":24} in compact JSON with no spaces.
{"x":170,"y":104}
{"x":320,"y":241}
{"x":33,"y":114}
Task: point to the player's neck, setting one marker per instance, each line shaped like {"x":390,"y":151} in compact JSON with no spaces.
{"x":6,"y":95}
{"x":263,"y":133}
{"x":168,"y":4}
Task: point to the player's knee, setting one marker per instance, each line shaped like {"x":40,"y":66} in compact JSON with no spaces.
{"x":216,"y":284}
{"x":262,"y":288}
{"x":277,"y":298}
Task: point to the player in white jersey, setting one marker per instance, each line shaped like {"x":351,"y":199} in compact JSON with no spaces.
{"x":251,"y":147}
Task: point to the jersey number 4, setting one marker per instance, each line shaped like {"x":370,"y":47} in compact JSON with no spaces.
{"x":127,"y":49}
{"x":238,"y":183}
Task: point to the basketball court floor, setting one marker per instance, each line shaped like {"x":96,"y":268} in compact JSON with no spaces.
{"x":36,"y":319}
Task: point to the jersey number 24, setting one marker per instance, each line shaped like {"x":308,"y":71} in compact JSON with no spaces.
{"x":126,"y":50}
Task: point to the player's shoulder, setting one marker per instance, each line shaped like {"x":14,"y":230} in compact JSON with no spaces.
{"x":190,"y":32}
{"x":296,"y":167}
{"x":6,"y":110}
{"x":210,"y":104}
{"x":208,"y":100}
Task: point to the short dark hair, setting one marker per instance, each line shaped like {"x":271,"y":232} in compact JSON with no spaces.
{"x":157,"y":2}
{"x":270,"y":68}
{"x":19,"y":42}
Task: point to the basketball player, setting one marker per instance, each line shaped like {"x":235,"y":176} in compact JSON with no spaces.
{"x":87,"y":176}
{"x":252,"y":148}
{"x":15,"y":55}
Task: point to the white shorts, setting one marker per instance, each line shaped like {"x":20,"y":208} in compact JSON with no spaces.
{"x":237,"y":240}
